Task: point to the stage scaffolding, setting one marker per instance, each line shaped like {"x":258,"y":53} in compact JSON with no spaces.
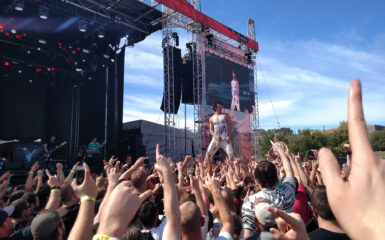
{"x":172,"y":19}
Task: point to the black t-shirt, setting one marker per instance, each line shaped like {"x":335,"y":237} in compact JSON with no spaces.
{"x":323,"y":234}
{"x":70,"y":217}
{"x":24,"y":234}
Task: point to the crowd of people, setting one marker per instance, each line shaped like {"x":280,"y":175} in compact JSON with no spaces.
{"x":280,"y":197}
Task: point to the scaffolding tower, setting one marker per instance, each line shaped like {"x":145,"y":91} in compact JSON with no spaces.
{"x":255,"y":115}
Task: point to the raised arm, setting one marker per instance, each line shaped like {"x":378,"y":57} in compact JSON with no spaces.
{"x":198,"y":195}
{"x":54,"y":197}
{"x":173,"y":229}
{"x":82,"y":228}
{"x":221,"y":205}
{"x":29,"y":181}
{"x":285,"y":162}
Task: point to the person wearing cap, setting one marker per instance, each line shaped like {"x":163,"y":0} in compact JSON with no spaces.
{"x":6,"y":227}
{"x":47,"y":225}
{"x":263,"y":219}
{"x":21,"y":214}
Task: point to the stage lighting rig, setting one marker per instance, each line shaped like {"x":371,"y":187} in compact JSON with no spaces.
{"x":209,"y":38}
{"x":101,"y":32}
{"x":82,"y":26}
{"x":43,"y":12}
{"x":175,"y":36}
{"x":18,"y":5}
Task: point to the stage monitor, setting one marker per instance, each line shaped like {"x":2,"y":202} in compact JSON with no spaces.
{"x":230,"y":83}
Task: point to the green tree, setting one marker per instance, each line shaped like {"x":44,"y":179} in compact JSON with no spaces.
{"x":307,"y":140}
{"x":267,"y":135}
{"x":338,"y":138}
{"x":377,"y":139}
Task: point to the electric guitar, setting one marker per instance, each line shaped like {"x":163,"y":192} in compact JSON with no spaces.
{"x":50,"y":152}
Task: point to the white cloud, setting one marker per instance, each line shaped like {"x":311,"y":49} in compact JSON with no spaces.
{"x":142,"y":102}
{"x":144,"y":80}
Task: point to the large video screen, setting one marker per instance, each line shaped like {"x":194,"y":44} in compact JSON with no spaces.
{"x":230,"y":83}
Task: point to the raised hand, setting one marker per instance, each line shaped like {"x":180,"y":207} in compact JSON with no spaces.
{"x":358,"y":203}
{"x":88,"y":186}
{"x":53,"y":181}
{"x":290,"y":224}
{"x":120,"y":209}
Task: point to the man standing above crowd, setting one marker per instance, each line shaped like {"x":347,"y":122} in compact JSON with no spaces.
{"x":220,"y":129}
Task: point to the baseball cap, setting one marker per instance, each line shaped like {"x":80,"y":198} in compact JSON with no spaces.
{"x":20,"y":205}
{"x":45,"y":224}
{"x":5,"y":213}
{"x":263,"y":216}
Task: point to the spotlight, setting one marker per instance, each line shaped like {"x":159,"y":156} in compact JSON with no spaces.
{"x":1,"y":27}
{"x":13,"y":31}
{"x":30,"y":81}
{"x":7,"y":34}
{"x":43,"y":12}
{"x":18,"y":5}
{"x":24,"y":34}
{"x":82,"y":26}
{"x":37,"y":70}
{"x":38,"y":49}
{"x":6,"y":63}
{"x":28,"y":52}
{"x":86,"y":51}
{"x":101,"y":32}
{"x":106,"y":56}
{"x":42,"y":41}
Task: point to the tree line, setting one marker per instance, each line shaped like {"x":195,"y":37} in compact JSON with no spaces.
{"x":310,"y":139}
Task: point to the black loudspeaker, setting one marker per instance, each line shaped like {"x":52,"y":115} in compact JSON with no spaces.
{"x":187,"y":85}
{"x":177,"y":56}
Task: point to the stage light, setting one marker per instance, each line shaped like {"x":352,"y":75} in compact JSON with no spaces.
{"x":1,"y":27}
{"x":82,"y":26}
{"x":24,"y":34}
{"x":28,"y":52}
{"x":89,"y":78}
{"x":20,"y":71}
{"x":86,"y":51}
{"x":64,"y":49}
{"x":73,"y":52}
{"x":77,"y":49}
{"x":78,"y":69}
{"x":18,"y":5}
{"x":83,"y":60}
{"x":106,"y":56}
{"x":37,"y":70}
{"x":101,"y":32}
{"x":30,"y":81}
{"x":42,"y":41}
{"x":18,"y":36}
{"x":6,"y":63}
{"x":7,"y":34}
{"x":175,"y":36}
{"x":112,"y":60}
{"x":13,"y":31}
{"x":38,"y":49}
{"x":59,"y":44}
{"x":43,"y":12}
{"x":52,"y":69}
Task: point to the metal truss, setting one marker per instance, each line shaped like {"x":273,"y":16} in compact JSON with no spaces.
{"x":255,"y":115}
{"x":197,"y":93}
{"x":168,"y":97}
{"x":75,"y":121}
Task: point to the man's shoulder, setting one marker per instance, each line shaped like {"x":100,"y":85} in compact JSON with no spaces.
{"x":321,"y":233}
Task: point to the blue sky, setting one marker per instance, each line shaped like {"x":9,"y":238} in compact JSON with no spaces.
{"x":309,"y":53}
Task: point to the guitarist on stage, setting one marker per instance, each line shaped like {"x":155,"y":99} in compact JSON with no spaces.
{"x":50,"y":148}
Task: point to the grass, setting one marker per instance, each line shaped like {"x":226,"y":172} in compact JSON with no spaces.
{"x":380,"y":154}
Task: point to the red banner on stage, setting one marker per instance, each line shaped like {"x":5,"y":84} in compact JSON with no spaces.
{"x":185,"y":8}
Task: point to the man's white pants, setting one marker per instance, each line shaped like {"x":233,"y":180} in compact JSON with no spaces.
{"x":214,"y":146}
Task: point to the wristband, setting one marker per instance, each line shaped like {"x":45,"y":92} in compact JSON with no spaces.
{"x":85,"y":198}
{"x":103,"y":237}
{"x":73,"y":171}
{"x":55,"y":190}
{"x":55,"y":187}
{"x":31,"y":172}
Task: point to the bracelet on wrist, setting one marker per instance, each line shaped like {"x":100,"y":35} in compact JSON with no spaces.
{"x":55,"y":190}
{"x":31,"y":172}
{"x":103,"y":237}
{"x":87,"y":198}
{"x":73,"y":171}
{"x":55,"y":187}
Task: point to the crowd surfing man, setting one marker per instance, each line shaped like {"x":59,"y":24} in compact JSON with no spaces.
{"x":199,"y":199}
